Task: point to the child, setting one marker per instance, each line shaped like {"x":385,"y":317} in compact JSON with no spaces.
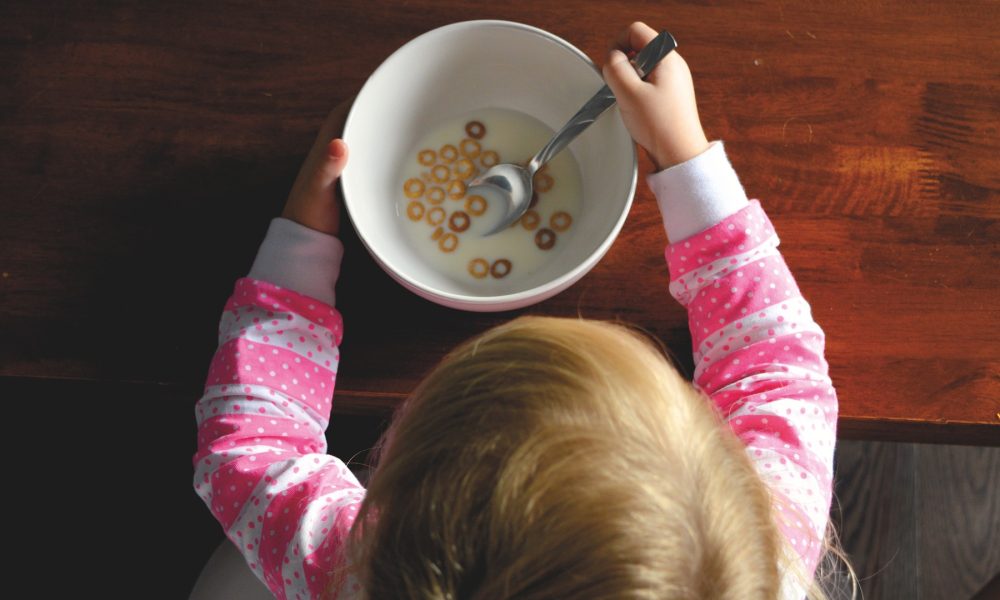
{"x":547,"y":458}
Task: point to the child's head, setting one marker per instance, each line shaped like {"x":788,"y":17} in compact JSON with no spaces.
{"x":558,"y":458}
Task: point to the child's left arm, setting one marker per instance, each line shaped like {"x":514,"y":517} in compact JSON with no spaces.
{"x":759,"y":353}
{"x":261,"y":465}
{"x":757,"y":349}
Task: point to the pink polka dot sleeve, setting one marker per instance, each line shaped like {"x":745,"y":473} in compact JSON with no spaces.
{"x":261,"y":464}
{"x":759,"y":356}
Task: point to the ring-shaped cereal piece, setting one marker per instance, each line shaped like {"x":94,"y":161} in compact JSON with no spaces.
{"x":448,"y":153}
{"x":456,"y":189}
{"x":479,"y":268}
{"x":435,"y":216}
{"x":413,"y":188}
{"x":427,"y":157}
{"x":544,"y":182}
{"x":415,"y":210}
{"x":500,"y":268}
{"x":560,"y":221}
{"x":459,"y":221}
{"x":438,"y":232}
{"x":435,"y":195}
{"x":489,"y":158}
{"x":440,"y":173}
{"x":530,"y":220}
{"x":470,"y":148}
{"x":463,"y":168}
{"x":475,"y":129}
{"x":545,"y":238}
{"x":475,"y":205}
{"x":534,"y":199}
{"x":448,"y":242}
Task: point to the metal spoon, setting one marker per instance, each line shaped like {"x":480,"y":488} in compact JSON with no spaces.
{"x":513,"y":182}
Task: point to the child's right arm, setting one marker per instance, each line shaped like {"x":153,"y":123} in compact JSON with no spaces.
{"x":261,"y":464}
{"x":758,"y":351}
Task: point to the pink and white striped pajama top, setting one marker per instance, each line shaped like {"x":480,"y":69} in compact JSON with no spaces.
{"x":261,"y":464}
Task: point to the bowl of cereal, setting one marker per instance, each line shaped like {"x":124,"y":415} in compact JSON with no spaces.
{"x":444,"y":108}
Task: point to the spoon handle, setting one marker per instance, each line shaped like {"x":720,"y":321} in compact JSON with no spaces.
{"x":644,"y":62}
{"x":653,"y":52}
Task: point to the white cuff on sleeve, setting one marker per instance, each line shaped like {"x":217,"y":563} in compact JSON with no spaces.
{"x":698,"y":193}
{"x":300,"y":259}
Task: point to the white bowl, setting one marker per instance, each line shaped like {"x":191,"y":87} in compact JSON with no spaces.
{"x":457,"y":69}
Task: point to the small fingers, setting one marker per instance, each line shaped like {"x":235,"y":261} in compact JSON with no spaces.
{"x":620,"y":76}
{"x":314,"y":200}
{"x":328,"y":150}
{"x":333,"y":165}
{"x":337,"y":149}
{"x":634,"y":38}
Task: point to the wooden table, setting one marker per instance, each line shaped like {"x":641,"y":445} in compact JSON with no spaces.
{"x":147,"y":145}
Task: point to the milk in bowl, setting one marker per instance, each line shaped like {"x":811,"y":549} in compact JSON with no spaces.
{"x":445,"y":222}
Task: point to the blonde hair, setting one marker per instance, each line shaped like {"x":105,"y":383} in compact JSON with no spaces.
{"x":556,"y":458}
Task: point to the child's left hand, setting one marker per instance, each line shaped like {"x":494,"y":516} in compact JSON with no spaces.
{"x":314,"y":200}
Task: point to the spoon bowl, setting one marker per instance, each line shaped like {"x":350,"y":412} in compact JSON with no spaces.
{"x":512,"y":183}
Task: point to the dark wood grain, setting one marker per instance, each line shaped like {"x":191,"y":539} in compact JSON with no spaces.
{"x":958,"y":509}
{"x":919,"y":521}
{"x":874,"y":508}
{"x":147,"y":145}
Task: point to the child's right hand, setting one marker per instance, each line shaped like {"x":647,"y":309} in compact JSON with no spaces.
{"x":660,"y":112}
